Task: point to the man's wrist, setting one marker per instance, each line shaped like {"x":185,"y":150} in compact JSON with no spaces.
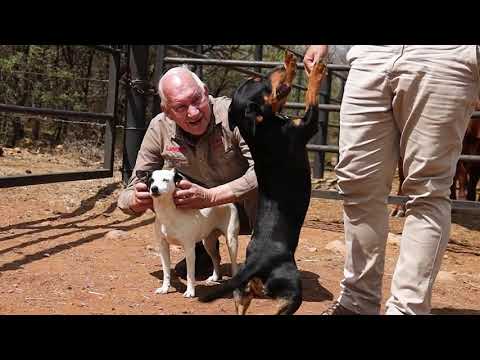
{"x":221,"y":195}
{"x":133,"y":204}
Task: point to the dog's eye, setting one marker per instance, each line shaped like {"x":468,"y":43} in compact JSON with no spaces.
{"x":165,"y":180}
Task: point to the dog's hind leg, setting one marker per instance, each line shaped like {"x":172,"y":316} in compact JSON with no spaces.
{"x":285,"y":285}
{"x":164,"y":249}
{"x":232,"y":244}
{"x":210,"y":244}
{"x":243,"y":297}
{"x":190,"y":258}
{"x":242,"y":301}
{"x":288,"y":306}
{"x":232,"y":232}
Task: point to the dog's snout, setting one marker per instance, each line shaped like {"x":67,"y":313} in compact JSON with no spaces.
{"x":154,"y":189}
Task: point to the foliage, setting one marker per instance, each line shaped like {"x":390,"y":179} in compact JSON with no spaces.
{"x":76,"y":78}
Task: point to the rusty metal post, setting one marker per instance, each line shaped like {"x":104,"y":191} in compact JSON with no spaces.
{"x":135,"y":122}
{"x":112,"y":102}
{"x":258,"y":56}
{"x":321,"y":137}
{"x":199,"y":69}
{"x":159,"y":68}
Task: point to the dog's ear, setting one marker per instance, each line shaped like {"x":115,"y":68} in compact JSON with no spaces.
{"x":143,"y":175}
{"x":232,"y":122}
{"x":254,"y":115}
{"x":177,"y":177}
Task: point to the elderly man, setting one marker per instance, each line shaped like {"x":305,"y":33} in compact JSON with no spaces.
{"x":412,"y":101}
{"x":193,"y":136}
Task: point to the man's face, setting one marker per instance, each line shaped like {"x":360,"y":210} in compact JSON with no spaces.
{"x":188,"y":105}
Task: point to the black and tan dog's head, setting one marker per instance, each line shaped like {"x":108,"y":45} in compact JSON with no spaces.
{"x":258,"y":99}
{"x":257,"y":103}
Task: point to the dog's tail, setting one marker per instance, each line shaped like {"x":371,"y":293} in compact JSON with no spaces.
{"x":239,"y":280}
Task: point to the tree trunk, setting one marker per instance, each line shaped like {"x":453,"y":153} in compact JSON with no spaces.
{"x":87,"y":75}
{"x":18,"y":131}
{"x":35,"y":129}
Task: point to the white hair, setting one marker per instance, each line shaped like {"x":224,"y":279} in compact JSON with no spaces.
{"x":178,"y":69}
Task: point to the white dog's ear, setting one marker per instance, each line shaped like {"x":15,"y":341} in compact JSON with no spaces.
{"x":176,"y":177}
{"x":144,"y":176}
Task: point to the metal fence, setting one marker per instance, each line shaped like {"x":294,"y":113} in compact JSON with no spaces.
{"x":109,"y":118}
{"x":135,"y":127}
{"x":319,"y":144}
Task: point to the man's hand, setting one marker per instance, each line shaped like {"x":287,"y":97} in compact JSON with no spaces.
{"x":314,"y":54}
{"x":141,"y":201}
{"x":192,"y":196}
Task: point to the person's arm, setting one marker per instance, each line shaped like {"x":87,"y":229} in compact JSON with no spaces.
{"x":135,"y":198}
{"x":193,"y":196}
{"x":314,"y":54}
{"x":189,"y":195}
{"x":247,"y":182}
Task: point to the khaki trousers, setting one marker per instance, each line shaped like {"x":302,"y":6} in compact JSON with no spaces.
{"x":412,"y":101}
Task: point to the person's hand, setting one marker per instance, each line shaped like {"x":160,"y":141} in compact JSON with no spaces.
{"x":192,"y":196}
{"x":314,"y":54}
{"x":141,"y":200}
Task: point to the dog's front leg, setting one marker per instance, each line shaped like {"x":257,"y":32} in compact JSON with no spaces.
{"x":314,"y":81}
{"x":190,"y":258}
{"x":164,"y":248}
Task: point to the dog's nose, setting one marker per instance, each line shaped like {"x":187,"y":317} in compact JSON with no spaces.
{"x":154,"y":189}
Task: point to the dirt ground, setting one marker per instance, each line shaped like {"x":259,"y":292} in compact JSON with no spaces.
{"x":66,"y":249}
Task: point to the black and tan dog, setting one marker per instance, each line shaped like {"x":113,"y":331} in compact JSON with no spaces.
{"x":277,"y":144}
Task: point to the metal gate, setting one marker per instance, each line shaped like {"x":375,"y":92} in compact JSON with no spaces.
{"x":319,"y":143}
{"x":109,"y":117}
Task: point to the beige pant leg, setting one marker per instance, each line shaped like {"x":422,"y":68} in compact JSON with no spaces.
{"x":368,"y":155}
{"x":425,"y":95}
{"x":435,"y":89}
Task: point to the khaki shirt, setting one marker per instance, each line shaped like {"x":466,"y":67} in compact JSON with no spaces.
{"x":219,"y":157}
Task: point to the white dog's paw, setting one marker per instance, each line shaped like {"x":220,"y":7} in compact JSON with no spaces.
{"x":214,"y":279}
{"x":190,"y":293}
{"x":162,"y":290}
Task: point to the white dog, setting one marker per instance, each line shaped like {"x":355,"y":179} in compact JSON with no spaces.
{"x":186,"y":227}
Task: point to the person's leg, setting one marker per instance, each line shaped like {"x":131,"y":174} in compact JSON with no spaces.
{"x":436,"y":89}
{"x":368,"y":157}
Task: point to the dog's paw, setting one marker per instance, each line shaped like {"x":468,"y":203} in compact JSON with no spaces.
{"x":162,"y":290}
{"x":315,"y":78}
{"x":190,"y":293}
{"x":290,"y":64}
{"x":214,"y":279}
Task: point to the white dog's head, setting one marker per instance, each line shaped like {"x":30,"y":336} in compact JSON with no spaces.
{"x":160,"y":182}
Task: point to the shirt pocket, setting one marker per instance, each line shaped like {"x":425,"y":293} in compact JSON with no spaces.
{"x":228,"y":164}
{"x":175,"y":160}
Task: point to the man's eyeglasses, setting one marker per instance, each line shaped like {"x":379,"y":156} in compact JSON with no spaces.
{"x":197,"y":101}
